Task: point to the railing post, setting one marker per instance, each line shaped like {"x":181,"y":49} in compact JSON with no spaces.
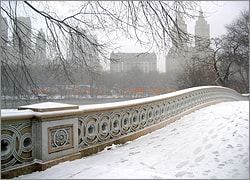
{"x":53,"y":136}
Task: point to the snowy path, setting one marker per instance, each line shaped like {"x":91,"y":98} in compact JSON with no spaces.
{"x":210,"y":143}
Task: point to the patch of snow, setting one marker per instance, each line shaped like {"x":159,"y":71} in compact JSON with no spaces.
{"x":209,"y":143}
{"x":48,"y":105}
{"x":143,"y":100}
{"x":15,"y":113}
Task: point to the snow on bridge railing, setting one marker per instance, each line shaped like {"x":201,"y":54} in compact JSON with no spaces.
{"x":41,"y":135}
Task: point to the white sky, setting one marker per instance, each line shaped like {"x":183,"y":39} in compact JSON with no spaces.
{"x":210,"y":143}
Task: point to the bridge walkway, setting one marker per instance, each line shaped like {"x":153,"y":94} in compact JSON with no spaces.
{"x":210,"y":143}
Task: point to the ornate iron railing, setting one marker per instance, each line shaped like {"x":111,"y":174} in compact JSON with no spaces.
{"x":41,"y":135}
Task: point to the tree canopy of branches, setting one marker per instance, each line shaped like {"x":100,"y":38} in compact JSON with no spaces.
{"x":231,"y":58}
{"x":149,"y":22}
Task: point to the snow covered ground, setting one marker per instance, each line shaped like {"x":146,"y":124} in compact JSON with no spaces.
{"x":209,"y":143}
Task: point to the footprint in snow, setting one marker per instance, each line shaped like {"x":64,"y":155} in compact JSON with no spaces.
{"x":200,"y":158}
{"x":214,"y":136}
{"x":204,"y":140}
{"x":157,"y":146}
{"x":182,"y":164}
{"x":197,"y":150}
{"x":133,"y":153}
{"x":154,"y":137}
{"x":229,"y":146}
{"x":206,"y":172}
{"x":163,"y":139}
{"x":182,"y":173}
{"x":133,"y":147}
{"x":211,"y":131}
{"x":208,"y":146}
{"x":245,"y":161}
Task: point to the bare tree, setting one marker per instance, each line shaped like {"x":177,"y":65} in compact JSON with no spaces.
{"x":198,"y":71}
{"x":228,"y":64}
{"x":231,"y":57}
{"x":151,"y":23}
{"x":237,"y":48}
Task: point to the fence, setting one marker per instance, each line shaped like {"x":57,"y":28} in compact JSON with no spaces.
{"x":41,"y":135}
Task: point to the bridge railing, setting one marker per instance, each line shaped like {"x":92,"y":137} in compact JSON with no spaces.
{"x":41,"y":135}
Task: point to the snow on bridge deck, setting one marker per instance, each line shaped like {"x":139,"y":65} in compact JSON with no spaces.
{"x":210,"y":143}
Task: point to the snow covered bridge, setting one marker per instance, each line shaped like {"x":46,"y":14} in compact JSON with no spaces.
{"x":41,"y":135}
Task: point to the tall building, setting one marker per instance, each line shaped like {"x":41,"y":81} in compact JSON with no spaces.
{"x":180,"y":54}
{"x":202,"y":31}
{"x":202,"y":49}
{"x":40,"y":48}
{"x":82,"y":52}
{"x":22,"y":38}
{"x":4,"y":32}
{"x":180,"y":37}
{"x":4,"y":42}
{"x":123,"y":62}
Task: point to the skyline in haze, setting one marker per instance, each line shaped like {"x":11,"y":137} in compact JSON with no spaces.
{"x":218,"y":14}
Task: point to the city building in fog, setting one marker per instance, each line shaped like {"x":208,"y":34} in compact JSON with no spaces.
{"x":22,"y":38}
{"x":180,"y":34}
{"x":123,"y":62}
{"x":40,"y":48}
{"x":21,"y":45}
{"x":202,"y":31}
{"x":82,"y":52}
{"x":180,"y":53}
{"x":4,"y":31}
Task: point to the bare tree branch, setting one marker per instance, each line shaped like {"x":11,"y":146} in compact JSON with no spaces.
{"x":150,"y":23}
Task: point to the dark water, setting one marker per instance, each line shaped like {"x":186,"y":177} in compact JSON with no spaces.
{"x":10,"y":104}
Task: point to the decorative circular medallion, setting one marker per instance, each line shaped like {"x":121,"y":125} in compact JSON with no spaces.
{"x":61,"y":137}
{"x":7,"y":146}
